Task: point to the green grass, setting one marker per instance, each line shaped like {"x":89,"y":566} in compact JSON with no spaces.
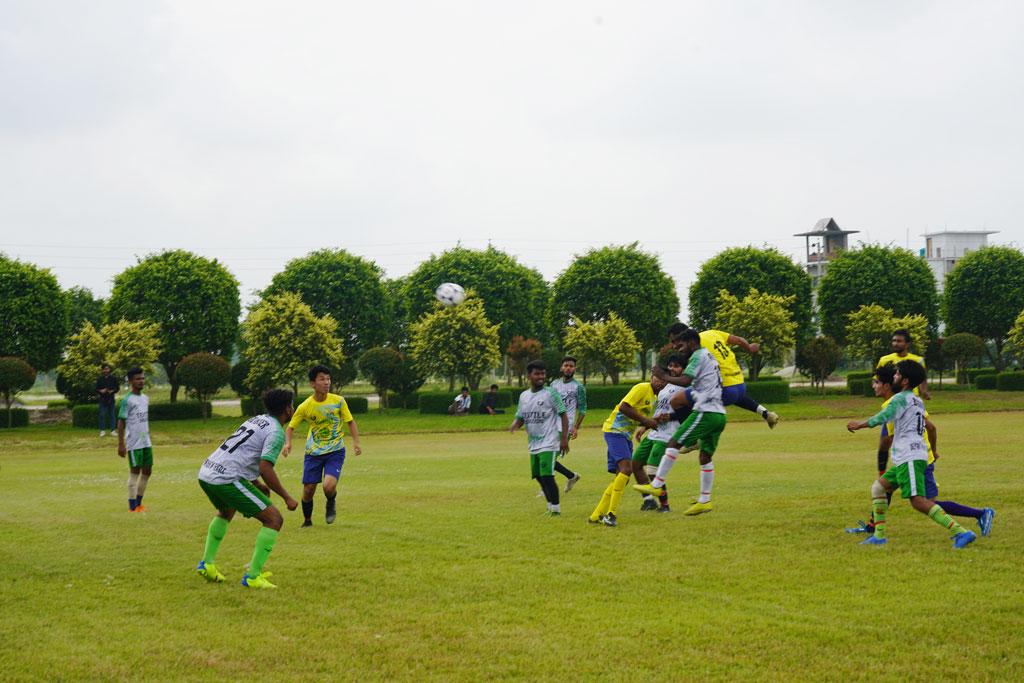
{"x":442,"y":567}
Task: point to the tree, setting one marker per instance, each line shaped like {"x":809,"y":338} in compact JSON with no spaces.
{"x":33,"y":314}
{"x":890,"y":277}
{"x":740,"y":269}
{"x":456,"y":341}
{"x":817,"y":358}
{"x":203,"y":374}
{"x":383,"y":366}
{"x":284,"y":338}
{"x":870,"y":328}
{"x":520,"y":352}
{"x":15,"y":376}
{"x":409,"y":380}
{"x":621,"y":280}
{"x":984,"y":294}
{"x":193,"y":299}
{"x":963,"y":347}
{"x":935,"y":358}
{"x":1015,"y":340}
{"x":513,"y":295}
{"x":82,"y":306}
{"x":349,"y":288}
{"x":759,"y":317}
{"x":121,"y":345}
{"x":610,"y":345}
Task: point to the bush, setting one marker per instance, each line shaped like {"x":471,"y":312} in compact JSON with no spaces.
{"x":855,"y":381}
{"x":251,"y":406}
{"x":437,"y":402}
{"x":986,"y":381}
{"x":88,"y":415}
{"x":974,"y":373}
{"x":203,"y":374}
{"x":768,"y":392}
{"x":1010,"y":381}
{"x":606,"y":397}
{"x":765,"y":378}
{"x":19,"y":418}
{"x":860,"y":387}
{"x":57,"y":405}
{"x":357,"y":404}
{"x":406,"y":401}
{"x":76,"y":394}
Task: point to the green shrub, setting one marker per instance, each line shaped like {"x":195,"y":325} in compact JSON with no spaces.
{"x":766,"y":378}
{"x":357,"y":404}
{"x":19,"y":417}
{"x":87,"y":415}
{"x":974,"y":373}
{"x":251,"y":406}
{"x":768,"y":392}
{"x":860,"y":387}
{"x":437,"y":402}
{"x":986,"y":381}
{"x":57,"y":405}
{"x":1010,"y":381}
{"x":606,"y":397}
{"x":855,"y":381}
{"x":406,"y":401}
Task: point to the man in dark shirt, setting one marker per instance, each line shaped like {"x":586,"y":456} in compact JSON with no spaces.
{"x":491,"y":400}
{"x":106,"y":387}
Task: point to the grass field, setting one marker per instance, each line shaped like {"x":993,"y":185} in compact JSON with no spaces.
{"x":442,"y":566}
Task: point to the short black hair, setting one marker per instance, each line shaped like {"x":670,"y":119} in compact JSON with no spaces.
{"x":536,"y":365}
{"x":464,"y":389}
{"x":133,"y":372}
{"x":276,"y":400}
{"x":494,"y":386}
{"x":902,"y":332}
{"x":687,"y":335}
{"x":677,"y":329}
{"x":676,"y":358}
{"x":317,"y":369}
{"x":105,"y":365}
{"x":886,"y":373}
{"x":912,"y":371}
{"x":569,"y":358}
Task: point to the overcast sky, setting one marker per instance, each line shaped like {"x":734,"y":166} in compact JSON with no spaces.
{"x":254,"y":132}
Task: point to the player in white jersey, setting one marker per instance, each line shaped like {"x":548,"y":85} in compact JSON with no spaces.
{"x":229,"y":479}
{"x":574,"y":396}
{"x":653,"y":442}
{"x":909,"y":455}
{"x":702,"y":428}
{"x":133,"y":438}
{"x":541,"y":410}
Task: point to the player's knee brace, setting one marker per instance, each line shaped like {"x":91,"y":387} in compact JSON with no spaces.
{"x":877,"y":490}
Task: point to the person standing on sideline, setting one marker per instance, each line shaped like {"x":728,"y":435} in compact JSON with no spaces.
{"x":106,"y":386}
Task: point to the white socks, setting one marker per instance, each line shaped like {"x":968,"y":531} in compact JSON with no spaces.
{"x":133,"y":485}
{"x":667,"y":461}
{"x":143,"y":480}
{"x":707,"y":478}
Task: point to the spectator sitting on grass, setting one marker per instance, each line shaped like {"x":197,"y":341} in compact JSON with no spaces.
{"x":460,"y":406}
{"x":487,"y":406}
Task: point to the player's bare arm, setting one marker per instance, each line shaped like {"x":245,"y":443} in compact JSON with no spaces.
{"x":633,"y":414}
{"x":287,"y":448}
{"x":933,"y":436}
{"x":354,"y":431}
{"x":854,"y":425}
{"x":564,"y":446}
{"x":121,"y":450}
{"x":749,"y":347}
{"x":268,"y":475}
{"x":516,"y":424}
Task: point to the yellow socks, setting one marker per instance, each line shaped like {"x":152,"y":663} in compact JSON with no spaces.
{"x":618,"y":486}
{"x":602,"y":507}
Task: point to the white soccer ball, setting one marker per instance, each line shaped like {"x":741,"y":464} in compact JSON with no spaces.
{"x":450,"y":294}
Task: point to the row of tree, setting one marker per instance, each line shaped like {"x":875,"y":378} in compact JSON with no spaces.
{"x":607,"y":305}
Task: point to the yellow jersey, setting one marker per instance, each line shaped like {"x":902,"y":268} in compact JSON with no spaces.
{"x":326,"y":420}
{"x":641,"y":397}
{"x":895,"y":358}
{"x":717,"y":342}
{"x":890,"y":428}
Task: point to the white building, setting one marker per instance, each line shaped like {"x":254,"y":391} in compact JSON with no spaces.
{"x":944,"y":248}
{"x":823,"y":244}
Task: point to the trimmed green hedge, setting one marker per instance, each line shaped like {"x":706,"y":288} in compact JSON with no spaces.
{"x":57,"y":405}
{"x":765,"y":378}
{"x":973,"y":373}
{"x":19,"y":417}
{"x":606,"y":397}
{"x":406,"y":401}
{"x":89,"y":415}
{"x":358,"y":404}
{"x":437,"y":402}
{"x":986,"y":381}
{"x":768,"y":392}
{"x":254,"y":406}
{"x":860,"y":387}
{"x":1010,"y":381}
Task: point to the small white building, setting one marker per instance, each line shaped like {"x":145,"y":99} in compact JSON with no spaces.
{"x":943,"y":249}
{"x":823,"y":244}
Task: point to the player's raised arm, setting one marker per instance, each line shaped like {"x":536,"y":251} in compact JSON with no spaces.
{"x":749,"y":347}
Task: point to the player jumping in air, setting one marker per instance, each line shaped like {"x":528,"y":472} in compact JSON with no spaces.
{"x":574,"y":396}
{"x":734,"y":390}
{"x":651,"y":448}
{"x":133,"y":438}
{"x":327,"y":415}
{"x":541,"y":410}
{"x":882,"y":384}
{"x":634,"y":409}
{"x":229,"y":480}
{"x":909,"y":458}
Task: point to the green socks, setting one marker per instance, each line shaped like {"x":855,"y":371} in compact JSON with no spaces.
{"x":214,"y":535}
{"x":879,"y":506}
{"x":264,"y":544}
{"x":939,"y":516}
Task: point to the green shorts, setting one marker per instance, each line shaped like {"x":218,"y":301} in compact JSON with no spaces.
{"x":240,"y":495}
{"x":909,"y":477}
{"x":649,"y":452}
{"x":703,"y":427}
{"x":141,"y":457}
{"x":542,"y":464}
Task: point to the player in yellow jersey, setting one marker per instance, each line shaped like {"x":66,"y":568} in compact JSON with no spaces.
{"x":734,"y":390}
{"x":900,"y":344}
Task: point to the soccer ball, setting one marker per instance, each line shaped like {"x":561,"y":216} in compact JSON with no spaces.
{"x":450,"y":294}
